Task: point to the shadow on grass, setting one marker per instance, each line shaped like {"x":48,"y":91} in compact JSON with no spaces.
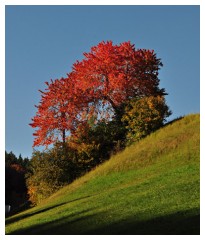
{"x":180,"y":223}
{"x":17,"y":218}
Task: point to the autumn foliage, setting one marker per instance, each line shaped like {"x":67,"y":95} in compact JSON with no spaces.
{"x":95,"y":89}
{"x":145,"y":115}
{"x":109,"y":99}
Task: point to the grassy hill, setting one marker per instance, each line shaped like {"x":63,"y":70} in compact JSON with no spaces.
{"x":152,"y":187}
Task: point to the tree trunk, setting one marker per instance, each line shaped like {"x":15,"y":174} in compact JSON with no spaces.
{"x":63,"y":131}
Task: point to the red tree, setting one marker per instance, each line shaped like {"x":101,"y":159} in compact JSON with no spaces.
{"x":113,"y":74}
{"x":107,"y":77}
{"x":52,"y":118}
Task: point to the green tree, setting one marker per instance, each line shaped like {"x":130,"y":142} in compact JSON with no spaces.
{"x":10,"y":158}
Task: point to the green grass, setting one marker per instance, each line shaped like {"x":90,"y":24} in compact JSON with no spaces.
{"x":152,"y":187}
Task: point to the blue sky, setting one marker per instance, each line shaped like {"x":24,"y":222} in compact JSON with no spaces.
{"x":42,"y":43}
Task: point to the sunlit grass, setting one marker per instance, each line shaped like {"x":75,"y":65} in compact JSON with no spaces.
{"x":152,"y":187}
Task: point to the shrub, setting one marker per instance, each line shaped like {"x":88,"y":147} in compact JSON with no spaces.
{"x":143,"y":116}
{"x":49,"y":171}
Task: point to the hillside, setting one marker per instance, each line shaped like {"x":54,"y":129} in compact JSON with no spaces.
{"x":152,"y":187}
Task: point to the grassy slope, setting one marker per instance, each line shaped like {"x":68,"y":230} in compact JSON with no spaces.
{"x":150,"y":188}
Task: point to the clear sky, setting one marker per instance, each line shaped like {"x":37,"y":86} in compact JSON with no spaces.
{"x":42,"y":43}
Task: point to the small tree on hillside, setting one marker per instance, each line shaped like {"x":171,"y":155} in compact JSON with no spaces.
{"x":145,"y":115}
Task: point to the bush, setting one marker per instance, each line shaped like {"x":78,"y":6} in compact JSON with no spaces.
{"x":94,"y":143}
{"x":143,"y":116}
{"x":49,"y":171}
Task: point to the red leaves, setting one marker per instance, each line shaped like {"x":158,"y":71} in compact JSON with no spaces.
{"x":107,"y":76}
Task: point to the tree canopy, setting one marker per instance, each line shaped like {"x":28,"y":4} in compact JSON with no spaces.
{"x":95,"y":89}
